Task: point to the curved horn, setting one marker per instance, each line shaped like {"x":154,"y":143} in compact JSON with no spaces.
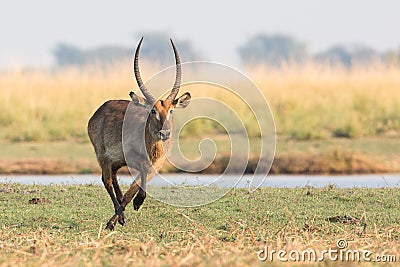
{"x":140,"y":83}
{"x":177,"y":83}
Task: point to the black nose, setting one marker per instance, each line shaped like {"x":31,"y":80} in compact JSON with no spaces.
{"x":164,"y":134}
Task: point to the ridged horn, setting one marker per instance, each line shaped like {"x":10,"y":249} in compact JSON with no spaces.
{"x":177,"y":83}
{"x":149,"y":97}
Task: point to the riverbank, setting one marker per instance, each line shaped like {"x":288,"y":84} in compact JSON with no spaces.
{"x":331,"y":156}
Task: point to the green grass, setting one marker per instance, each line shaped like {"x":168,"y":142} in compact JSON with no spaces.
{"x":69,"y":230}
{"x":382,"y":147}
{"x":37,"y":150}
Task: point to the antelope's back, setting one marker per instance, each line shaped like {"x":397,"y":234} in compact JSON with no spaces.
{"x":105,"y":129}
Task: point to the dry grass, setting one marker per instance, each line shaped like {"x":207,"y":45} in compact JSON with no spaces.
{"x":40,"y":105}
{"x":318,"y":102}
{"x":42,"y":248}
{"x":311,"y":102}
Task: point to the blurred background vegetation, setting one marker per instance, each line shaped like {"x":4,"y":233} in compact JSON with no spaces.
{"x":345,"y":93}
{"x":262,"y":49}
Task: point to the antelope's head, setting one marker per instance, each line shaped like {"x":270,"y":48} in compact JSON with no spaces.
{"x":160,"y":119}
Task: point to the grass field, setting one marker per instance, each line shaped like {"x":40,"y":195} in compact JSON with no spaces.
{"x":67,"y":229}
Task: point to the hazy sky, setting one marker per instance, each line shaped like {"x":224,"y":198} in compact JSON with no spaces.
{"x":31,"y":29}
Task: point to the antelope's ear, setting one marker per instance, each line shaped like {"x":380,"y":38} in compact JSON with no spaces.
{"x":182,"y":101}
{"x":137,"y":99}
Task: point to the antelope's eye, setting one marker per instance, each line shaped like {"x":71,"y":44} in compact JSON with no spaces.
{"x":153,"y":111}
{"x":171,"y":111}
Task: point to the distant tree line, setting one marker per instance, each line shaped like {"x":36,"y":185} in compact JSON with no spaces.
{"x":156,"y":49}
{"x":272,"y":50}
{"x":67,"y":55}
{"x":261,"y":49}
{"x":275,"y":50}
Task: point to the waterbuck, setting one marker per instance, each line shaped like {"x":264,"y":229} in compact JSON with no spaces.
{"x":136,"y":134}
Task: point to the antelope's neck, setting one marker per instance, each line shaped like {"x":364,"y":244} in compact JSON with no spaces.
{"x":158,"y":154}
{"x":156,"y":151}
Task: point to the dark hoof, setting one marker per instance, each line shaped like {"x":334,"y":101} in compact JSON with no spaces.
{"x":137,"y":206}
{"x":121,"y":219}
{"x":111,"y":223}
{"x":110,"y":226}
{"x":137,"y":202}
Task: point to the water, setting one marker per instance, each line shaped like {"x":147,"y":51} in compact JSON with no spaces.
{"x":290,"y":181}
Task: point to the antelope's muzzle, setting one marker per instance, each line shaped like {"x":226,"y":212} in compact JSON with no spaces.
{"x":164,"y":135}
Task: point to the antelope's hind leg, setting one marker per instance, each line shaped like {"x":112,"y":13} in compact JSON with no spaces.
{"x":118,"y":193}
{"x":108,"y":184}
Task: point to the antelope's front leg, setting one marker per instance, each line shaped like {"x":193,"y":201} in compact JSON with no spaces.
{"x":141,"y":195}
{"x":111,"y":223}
{"x":118,"y":216}
{"x":139,"y":199}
